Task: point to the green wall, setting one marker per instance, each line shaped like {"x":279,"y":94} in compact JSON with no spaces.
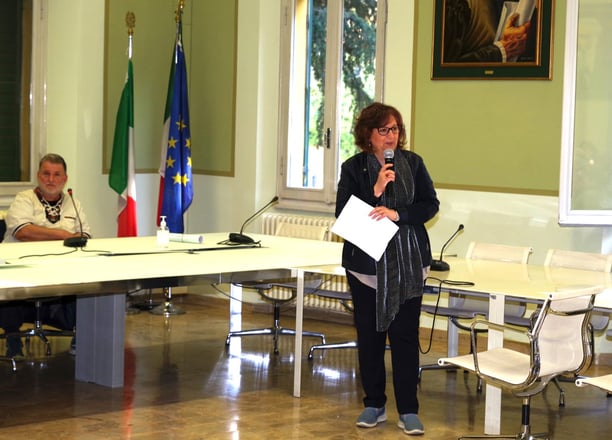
{"x":209,"y":40}
{"x":482,"y":135}
{"x":488,"y":135}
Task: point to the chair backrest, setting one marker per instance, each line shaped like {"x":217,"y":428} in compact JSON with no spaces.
{"x":561,"y":331}
{"x":498,"y":252}
{"x":313,"y":232}
{"x":579,"y":260}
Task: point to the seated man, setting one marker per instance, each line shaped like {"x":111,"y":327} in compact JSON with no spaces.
{"x":42,"y":213}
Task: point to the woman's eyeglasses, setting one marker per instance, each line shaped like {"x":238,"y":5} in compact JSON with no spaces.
{"x":383,"y":131}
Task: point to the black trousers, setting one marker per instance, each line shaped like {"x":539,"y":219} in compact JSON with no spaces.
{"x":403,"y":334}
{"x":59,"y":313}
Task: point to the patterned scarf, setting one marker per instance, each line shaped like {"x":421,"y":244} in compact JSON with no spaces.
{"x":399,"y":272}
{"x":53,"y":210}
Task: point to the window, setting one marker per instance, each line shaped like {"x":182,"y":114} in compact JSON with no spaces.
{"x":586,"y":156}
{"x":331,"y":58}
{"x":22,"y":31}
{"x":15,"y":32}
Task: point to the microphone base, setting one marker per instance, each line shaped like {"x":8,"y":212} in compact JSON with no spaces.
{"x":439,"y":266}
{"x":76,"y":242}
{"x":240,"y":238}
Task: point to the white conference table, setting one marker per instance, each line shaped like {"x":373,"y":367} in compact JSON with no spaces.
{"x":102,"y":273}
{"x":499,"y":282}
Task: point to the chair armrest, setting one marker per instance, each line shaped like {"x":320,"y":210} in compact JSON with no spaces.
{"x":482,"y":325}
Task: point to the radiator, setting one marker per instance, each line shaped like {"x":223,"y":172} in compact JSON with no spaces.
{"x":270,"y":223}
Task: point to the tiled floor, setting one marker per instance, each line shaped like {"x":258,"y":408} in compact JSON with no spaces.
{"x":182,"y":384}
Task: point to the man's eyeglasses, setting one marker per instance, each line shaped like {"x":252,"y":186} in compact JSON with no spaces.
{"x":383,"y":131}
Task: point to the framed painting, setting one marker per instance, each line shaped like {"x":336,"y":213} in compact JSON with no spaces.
{"x":497,"y":39}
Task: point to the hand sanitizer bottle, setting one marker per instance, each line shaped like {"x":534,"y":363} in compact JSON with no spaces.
{"x":163,"y":233}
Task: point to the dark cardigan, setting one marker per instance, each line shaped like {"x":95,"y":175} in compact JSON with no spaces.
{"x":354,"y":180}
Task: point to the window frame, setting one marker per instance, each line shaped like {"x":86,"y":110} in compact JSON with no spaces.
{"x":309,"y":199}
{"x":569,"y":216}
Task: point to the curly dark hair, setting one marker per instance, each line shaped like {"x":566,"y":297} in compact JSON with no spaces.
{"x":373,"y":116}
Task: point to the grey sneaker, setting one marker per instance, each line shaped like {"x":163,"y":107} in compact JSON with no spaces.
{"x":370,"y":417}
{"x":411,"y":424}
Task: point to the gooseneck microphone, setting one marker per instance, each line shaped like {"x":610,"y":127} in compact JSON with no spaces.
{"x":441,"y":265}
{"x":81,"y":240}
{"x":240,"y":238}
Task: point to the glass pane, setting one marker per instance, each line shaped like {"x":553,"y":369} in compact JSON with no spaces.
{"x":591,"y":177}
{"x":307,"y":130}
{"x":305,"y":148}
{"x":358,"y":69}
{"x":14,"y":89}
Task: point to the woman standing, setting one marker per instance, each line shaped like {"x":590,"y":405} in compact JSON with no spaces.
{"x":387,"y":293}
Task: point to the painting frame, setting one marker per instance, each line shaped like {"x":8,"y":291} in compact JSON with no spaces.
{"x":536,"y":64}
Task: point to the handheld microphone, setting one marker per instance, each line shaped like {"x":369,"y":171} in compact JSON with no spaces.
{"x":389,"y":154}
{"x":441,"y":265}
{"x":80,"y":241}
{"x":240,"y":238}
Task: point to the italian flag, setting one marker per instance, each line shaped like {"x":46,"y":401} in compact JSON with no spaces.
{"x":121,"y":177}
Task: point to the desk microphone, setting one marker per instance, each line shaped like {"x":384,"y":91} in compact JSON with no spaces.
{"x":441,"y":265}
{"x":80,"y":241}
{"x":240,"y":238}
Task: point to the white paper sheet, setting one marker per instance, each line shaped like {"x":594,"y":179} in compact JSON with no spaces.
{"x":355,"y":225}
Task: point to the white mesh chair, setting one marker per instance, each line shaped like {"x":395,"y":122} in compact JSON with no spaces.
{"x":280,"y":292}
{"x":462,"y":308}
{"x":558,"y":345}
{"x":600,"y":318}
{"x":346,"y":300}
{"x":602,"y":382}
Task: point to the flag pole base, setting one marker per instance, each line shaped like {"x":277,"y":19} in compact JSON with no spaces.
{"x":167,"y":308}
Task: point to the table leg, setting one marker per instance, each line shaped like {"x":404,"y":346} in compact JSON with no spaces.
{"x":100,"y":337}
{"x":493,"y":393}
{"x":235,"y":318}
{"x":452,"y":332}
{"x":299,"y":321}
{"x":235,"y":308}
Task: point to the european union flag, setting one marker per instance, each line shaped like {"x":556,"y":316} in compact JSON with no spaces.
{"x":177,"y":180}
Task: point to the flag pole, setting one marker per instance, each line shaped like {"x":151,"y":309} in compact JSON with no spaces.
{"x":167,"y":308}
{"x":179,"y":10}
{"x":179,"y":28}
{"x":130,"y":22}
